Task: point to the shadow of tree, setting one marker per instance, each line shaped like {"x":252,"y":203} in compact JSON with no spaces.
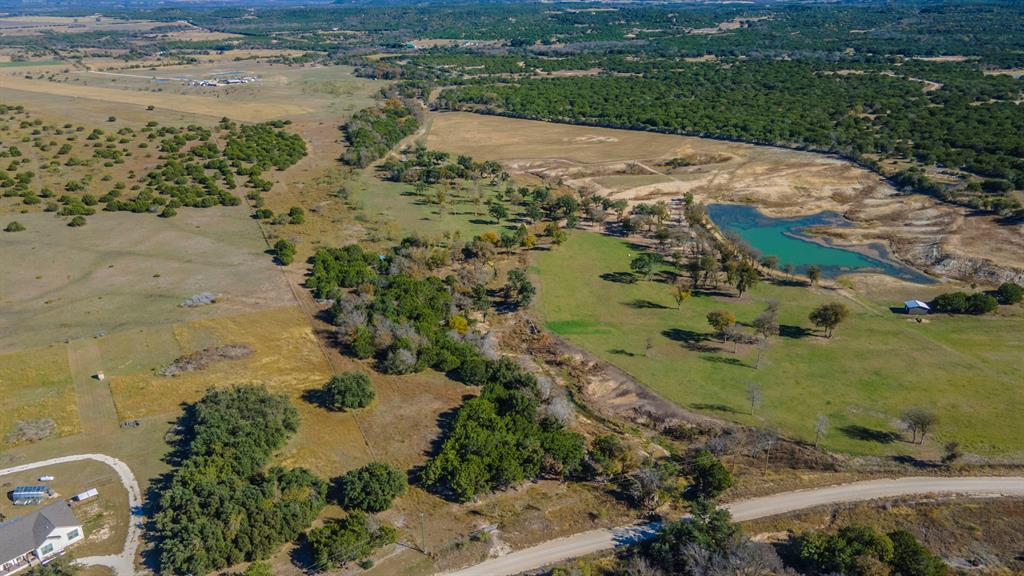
{"x":622,"y":352}
{"x":916,"y":463}
{"x":714,"y":407}
{"x":787,"y":331}
{"x":723,"y":360}
{"x":640,"y":303}
{"x":619,"y":277}
{"x":690,"y":339}
{"x":858,"y":432}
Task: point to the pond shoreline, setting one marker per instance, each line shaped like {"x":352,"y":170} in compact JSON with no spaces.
{"x":876,"y":258}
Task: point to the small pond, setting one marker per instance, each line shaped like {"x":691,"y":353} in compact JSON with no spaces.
{"x":785,"y":239}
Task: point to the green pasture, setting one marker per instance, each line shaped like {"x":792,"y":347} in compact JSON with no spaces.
{"x":968,"y":370}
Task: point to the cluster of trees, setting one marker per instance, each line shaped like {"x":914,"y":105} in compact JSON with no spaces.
{"x":284,"y":252}
{"x":430,"y":167}
{"x":193,"y":176}
{"x":963,"y":303}
{"x":372,"y":132}
{"x":222,"y":505}
{"x":708,"y":542}
{"x":498,"y":439}
{"x":349,"y":539}
{"x":863,"y":551}
{"x":334,"y":269}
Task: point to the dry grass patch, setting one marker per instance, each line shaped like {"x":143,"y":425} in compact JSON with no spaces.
{"x":36,"y":384}
{"x":285,"y":359}
{"x":189,"y":104}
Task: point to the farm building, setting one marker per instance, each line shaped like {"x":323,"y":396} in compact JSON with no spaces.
{"x":36,"y":537}
{"x":916,"y":307}
{"x":28,"y":495}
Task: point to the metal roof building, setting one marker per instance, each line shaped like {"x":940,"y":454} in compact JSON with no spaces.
{"x":26,"y":495}
{"x":916,"y":307}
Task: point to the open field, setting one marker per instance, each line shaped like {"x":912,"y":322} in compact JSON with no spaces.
{"x":36,"y":24}
{"x":126,"y":270}
{"x":36,"y":384}
{"x":966,"y":369}
{"x":948,"y":239}
{"x":325,"y":93}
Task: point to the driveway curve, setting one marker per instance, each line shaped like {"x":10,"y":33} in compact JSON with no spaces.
{"x":594,"y":541}
{"x":122,"y":564}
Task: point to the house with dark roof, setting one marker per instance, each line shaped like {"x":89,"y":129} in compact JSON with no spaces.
{"x":36,"y":537}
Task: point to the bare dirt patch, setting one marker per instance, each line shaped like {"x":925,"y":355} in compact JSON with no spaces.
{"x":200,"y":360}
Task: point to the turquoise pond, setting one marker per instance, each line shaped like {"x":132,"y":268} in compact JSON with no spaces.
{"x":784,"y":238}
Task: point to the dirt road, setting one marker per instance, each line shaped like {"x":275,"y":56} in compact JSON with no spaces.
{"x":597,"y":540}
{"x":122,"y":564}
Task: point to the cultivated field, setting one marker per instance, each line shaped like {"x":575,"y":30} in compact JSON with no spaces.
{"x":966,"y":369}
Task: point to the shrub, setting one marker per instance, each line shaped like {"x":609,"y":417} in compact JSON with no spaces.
{"x":77,"y":221}
{"x":848,"y":551}
{"x":370,"y":488}
{"x":349,"y":539}
{"x":348,"y":391}
{"x":1010,"y":293}
{"x":15,"y":226}
{"x":284,"y":251}
{"x":708,"y":477}
{"x":296,"y":215}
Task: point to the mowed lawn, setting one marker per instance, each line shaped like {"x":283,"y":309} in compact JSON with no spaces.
{"x":968,"y":370}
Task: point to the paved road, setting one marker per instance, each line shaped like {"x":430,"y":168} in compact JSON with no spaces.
{"x":122,"y":564}
{"x":593,"y":541}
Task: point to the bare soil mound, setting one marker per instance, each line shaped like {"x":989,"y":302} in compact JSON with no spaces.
{"x":197,"y":361}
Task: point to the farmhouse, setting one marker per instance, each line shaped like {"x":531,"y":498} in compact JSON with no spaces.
{"x":36,"y":537}
{"x":916,"y":307}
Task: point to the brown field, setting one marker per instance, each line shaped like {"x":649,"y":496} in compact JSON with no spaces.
{"x":32,"y":25}
{"x":780,"y":182}
{"x":196,"y":105}
{"x":37,"y":384}
{"x":321,"y":93}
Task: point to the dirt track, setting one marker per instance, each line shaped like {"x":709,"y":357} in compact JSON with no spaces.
{"x":600,"y":540}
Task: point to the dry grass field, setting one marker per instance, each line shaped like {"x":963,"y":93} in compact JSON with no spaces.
{"x":125,"y":271}
{"x":281,"y":91}
{"x":36,"y":384}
